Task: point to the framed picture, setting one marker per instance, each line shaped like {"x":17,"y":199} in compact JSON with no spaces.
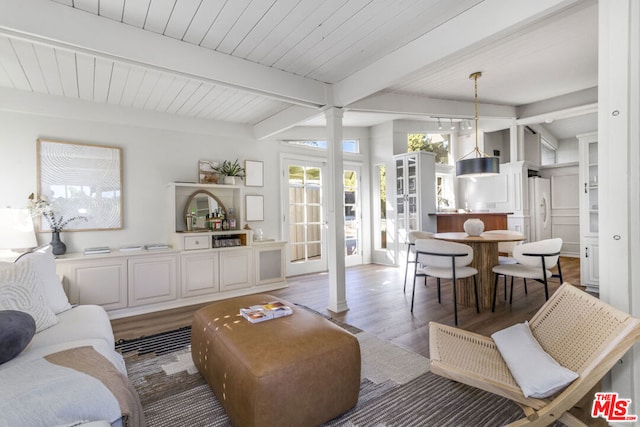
{"x":255,"y":208}
{"x":81,"y":180}
{"x":206,"y":172}
{"x":253,"y":173}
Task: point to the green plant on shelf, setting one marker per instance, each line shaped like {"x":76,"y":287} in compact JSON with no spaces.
{"x":231,"y":169}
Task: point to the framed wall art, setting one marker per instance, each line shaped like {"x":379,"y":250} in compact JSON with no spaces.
{"x":254,"y":173}
{"x":206,"y":172}
{"x":81,"y":180}
{"x":255,"y":208}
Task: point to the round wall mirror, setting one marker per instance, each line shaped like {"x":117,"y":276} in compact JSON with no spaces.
{"x":202,"y":203}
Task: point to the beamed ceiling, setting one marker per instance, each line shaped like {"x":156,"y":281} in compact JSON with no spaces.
{"x":273,"y":64}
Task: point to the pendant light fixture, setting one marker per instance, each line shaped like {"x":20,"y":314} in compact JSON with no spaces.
{"x":480,"y":164}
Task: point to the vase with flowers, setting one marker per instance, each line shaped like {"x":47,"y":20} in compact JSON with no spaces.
{"x":42,"y":207}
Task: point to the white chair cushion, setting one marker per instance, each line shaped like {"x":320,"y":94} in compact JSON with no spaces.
{"x":447,"y":273}
{"x":536,"y":372}
{"x":519,"y":270}
{"x":443,"y":248}
{"x":548,"y":246}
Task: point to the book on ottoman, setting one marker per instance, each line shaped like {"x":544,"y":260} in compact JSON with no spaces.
{"x":268,"y":311}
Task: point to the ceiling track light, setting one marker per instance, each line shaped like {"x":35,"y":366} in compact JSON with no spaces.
{"x":439,"y":124}
{"x":481,"y":164}
{"x":453,"y":127}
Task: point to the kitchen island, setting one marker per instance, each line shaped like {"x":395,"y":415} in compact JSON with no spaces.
{"x":453,"y":221}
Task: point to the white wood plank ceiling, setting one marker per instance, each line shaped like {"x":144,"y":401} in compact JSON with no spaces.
{"x":327,"y":41}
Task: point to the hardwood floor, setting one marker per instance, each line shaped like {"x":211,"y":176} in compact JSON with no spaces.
{"x":378,"y":305}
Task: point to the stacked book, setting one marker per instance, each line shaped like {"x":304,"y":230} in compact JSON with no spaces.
{"x":97,"y":250}
{"x":268,"y":311}
{"x":130,"y":248}
{"x":157,"y":246}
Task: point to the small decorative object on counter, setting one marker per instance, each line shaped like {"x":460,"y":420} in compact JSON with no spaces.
{"x":41,"y":207}
{"x":232,"y":220}
{"x":473,"y":226}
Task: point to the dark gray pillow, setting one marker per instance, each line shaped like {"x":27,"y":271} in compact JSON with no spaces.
{"x":17,"y":328}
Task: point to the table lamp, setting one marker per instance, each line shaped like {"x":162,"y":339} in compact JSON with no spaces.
{"x":16,"y":232}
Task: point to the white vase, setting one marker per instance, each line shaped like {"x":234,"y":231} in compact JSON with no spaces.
{"x":229,"y":180}
{"x":473,"y":226}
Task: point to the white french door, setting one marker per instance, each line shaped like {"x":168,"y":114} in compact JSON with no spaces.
{"x":304,"y":216}
{"x":352,"y":215}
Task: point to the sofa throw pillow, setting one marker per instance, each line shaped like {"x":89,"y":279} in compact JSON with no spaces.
{"x":44,"y":264}
{"x":20,"y":290}
{"x":537,"y":373}
{"x":16,"y":331}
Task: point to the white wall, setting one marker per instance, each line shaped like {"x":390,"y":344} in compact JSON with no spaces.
{"x":567,"y":150}
{"x":156,"y":149}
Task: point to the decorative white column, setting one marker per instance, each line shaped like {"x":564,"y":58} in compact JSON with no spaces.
{"x":335,"y":215}
{"x":618,"y":175}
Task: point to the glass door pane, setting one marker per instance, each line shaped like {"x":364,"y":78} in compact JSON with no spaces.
{"x":352,"y":217}
{"x":306,"y":218}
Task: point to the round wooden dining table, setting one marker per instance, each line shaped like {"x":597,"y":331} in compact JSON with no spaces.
{"x":485,"y":257}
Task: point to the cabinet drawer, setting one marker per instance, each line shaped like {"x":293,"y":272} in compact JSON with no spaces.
{"x":197,"y":242}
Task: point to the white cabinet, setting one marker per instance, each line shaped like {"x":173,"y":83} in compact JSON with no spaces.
{"x":200,"y":274}
{"x":102,"y":282}
{"x":203,"y":265}
{"x":415,"y":193}
{"x":236,"y":269}
{"x":152,"y":279}
{"x":269,"y":258}
{"x":589,"y":255}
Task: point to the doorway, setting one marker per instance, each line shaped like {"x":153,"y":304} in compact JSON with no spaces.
{"x":352,"y":215}
{"x":304,"y":216}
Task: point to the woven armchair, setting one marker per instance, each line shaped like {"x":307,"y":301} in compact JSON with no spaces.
{"x":578,"y":330}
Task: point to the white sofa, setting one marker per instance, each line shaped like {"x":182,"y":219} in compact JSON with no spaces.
{"x":43,"y":392}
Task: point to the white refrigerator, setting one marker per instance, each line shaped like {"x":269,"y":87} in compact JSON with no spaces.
{"x":540,"y":208}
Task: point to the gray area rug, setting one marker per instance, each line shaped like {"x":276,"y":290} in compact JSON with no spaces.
{"x":397,"y":388}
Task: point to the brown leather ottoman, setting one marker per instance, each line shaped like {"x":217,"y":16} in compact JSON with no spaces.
{"x":298,"y":370}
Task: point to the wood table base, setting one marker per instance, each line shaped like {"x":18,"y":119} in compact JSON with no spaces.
{"x":485,"y":257}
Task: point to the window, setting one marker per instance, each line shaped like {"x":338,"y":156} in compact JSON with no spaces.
{"x":445,"y":192}
{"x":438,"y":143}
{"x":348,"y":145}
{"x":380,"y":209}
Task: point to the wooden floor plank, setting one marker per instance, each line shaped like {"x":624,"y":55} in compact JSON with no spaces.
{"x":378,"y":305}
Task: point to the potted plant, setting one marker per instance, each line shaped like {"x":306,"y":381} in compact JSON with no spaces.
{"x":230,"y":171}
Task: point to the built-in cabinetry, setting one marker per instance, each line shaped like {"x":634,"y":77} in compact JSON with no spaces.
{"x":201,"y":265}
{"x":589,"y":255}
{"x":119,"y":280}
{"x":415,"y":193}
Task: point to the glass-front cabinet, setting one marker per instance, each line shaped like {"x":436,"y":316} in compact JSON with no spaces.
{"x":589,"y":254}
{"x":415,"y":194}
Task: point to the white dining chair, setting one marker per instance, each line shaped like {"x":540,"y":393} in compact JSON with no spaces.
{"x":535,"y":261}
{"x":411,"y":252}
{"x":507,"y":248}
{"x":444,"y":260}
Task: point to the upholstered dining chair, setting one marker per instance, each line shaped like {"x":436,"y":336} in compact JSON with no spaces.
{"x":444,"y":260}
{"x":507,"y":248}
{"x":411,"y":252}
{"x":535,"y":261}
